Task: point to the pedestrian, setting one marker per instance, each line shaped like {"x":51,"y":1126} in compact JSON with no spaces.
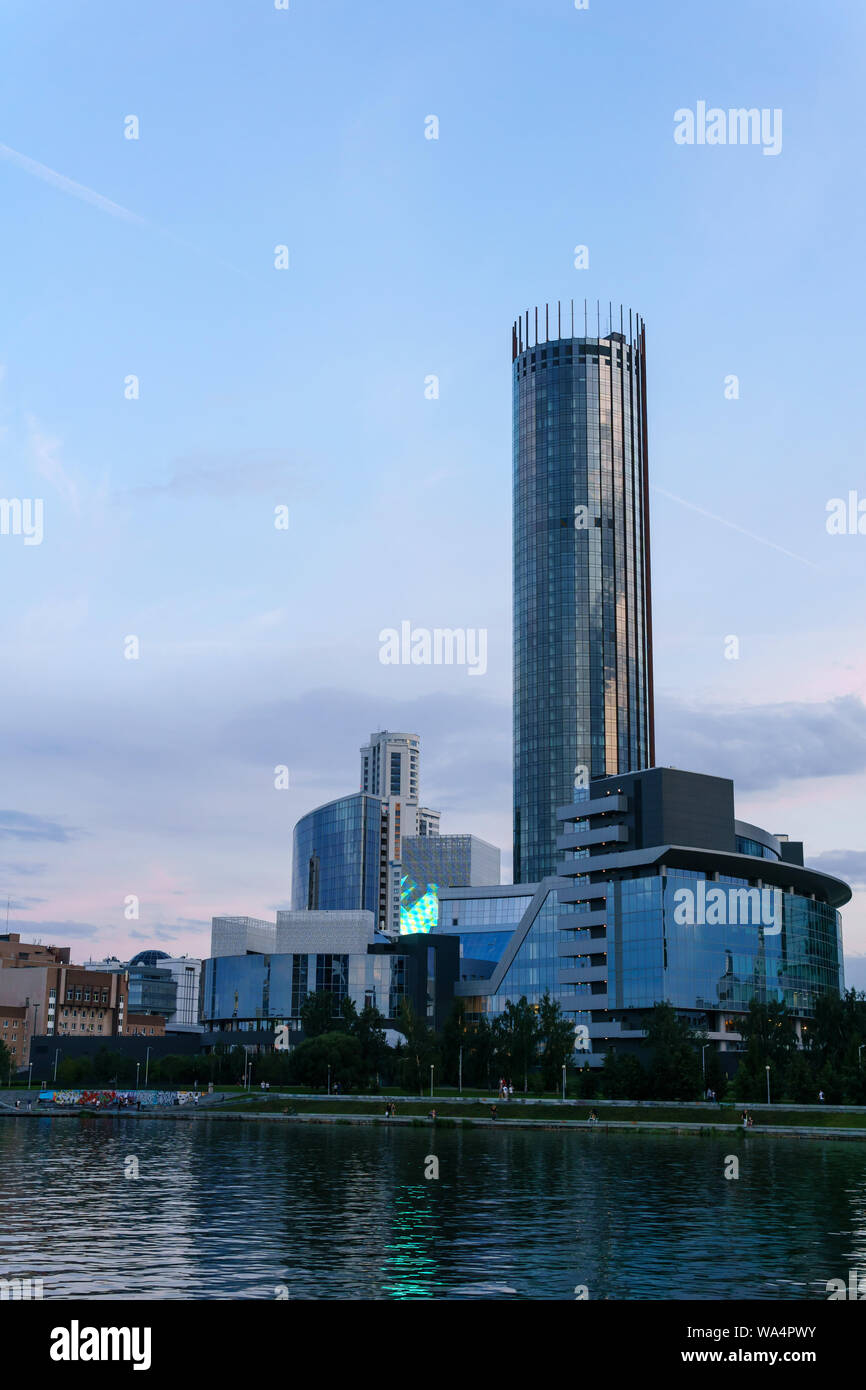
{"x":493,"y":1112}
{"x":593,"y":1118}
{"x":821,"y":1097}
{"x":431,"y":1115}
{"x":510,"y":1091}
{"x":745,"y":1119}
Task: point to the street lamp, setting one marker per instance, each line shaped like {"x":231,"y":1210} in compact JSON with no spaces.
{"x":137,"y":1070}
{"x":460,"y":1078}
{"x":703,"y":1062}
{"x":146,"y":1067}
{"x":56,"y":1055}
{"x":563,"y":1081}
{"x":329,"y":1078}
{"x":431,"y":1081}
{"x":859,"y":1058}
{"x":29,"y":1075}
{"x":767,"y":1070}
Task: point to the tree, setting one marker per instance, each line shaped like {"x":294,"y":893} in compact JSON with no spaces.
{"x":420,"y":1047}
{"x":455,"y":1035}
{"x":317,"y":1014}
{"x":675,"y":1069}
{"x":368,"y":1027}
{"x":622,"y":1076}
{"x":312,"y":1058}
{"x":556,"y":1034}
{"x":516,"y":1031}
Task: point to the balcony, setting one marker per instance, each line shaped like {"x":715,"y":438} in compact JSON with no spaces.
{"x":598,"y":835}
{"x":597,"y":806}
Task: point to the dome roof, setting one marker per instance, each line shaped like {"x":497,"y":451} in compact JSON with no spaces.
{"x":148,"y":958}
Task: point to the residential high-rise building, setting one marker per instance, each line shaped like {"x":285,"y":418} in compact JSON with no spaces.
{"x":390,"y":765}
{"x":583,"y":696}
{"x":348,"y":854}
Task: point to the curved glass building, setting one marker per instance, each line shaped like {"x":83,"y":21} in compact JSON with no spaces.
{"x":337,"y":859}
{"x":582,"y":627}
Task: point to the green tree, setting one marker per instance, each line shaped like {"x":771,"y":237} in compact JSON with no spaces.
{"x":516,"y":1031}
{"x":456,"y":1034}
{"x":318,"y":1016}
{"x":421,"y":1051}
{"x":368,"y":1027}
{"x":312,"y":1058}
{"x":556,"y":1036}
{"x":675,"y":1068}
{"x":622,"y":1076}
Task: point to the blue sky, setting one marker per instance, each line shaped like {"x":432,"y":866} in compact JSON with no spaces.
{"x":305,"y":387}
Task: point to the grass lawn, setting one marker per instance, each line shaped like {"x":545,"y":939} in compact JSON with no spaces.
{"x":540,"y":1113}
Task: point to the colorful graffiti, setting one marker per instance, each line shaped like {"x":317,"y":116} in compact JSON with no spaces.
{"x":99,"y":1100}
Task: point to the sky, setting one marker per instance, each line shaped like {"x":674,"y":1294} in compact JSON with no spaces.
{"x":170,"y":378}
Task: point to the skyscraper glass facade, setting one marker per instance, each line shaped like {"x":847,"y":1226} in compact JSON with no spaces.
{"x":653,"y":956}
{"x":336,"y":860}
{"x":255,"y":990}
{"x":582,"y":629}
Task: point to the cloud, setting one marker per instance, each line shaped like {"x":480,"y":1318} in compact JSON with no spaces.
{"x":855,"y":972}
{"x":54,"y":933}
{"x":465,"y":743}
{"x":848,"y":864}
{"x":17,"y":825}
{"x":231,"y":474}
{"x":162,"y":932}
{"x":760,"y":746}
{"x":49,"y":466}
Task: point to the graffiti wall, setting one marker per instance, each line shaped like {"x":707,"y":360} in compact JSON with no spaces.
{"x":121,"y":1099}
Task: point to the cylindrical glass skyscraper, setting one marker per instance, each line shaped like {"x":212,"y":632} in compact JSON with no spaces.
{"x":583,"y":696}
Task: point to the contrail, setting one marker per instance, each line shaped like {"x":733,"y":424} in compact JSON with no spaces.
{"x":89,"y":195}
{"x":762,"y":540}
{"x":78,"y":190}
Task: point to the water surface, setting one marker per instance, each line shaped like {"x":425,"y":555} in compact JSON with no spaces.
{"x":226,"y":1210}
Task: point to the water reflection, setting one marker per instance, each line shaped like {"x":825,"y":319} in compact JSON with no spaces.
{"x":224,"y":1210}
